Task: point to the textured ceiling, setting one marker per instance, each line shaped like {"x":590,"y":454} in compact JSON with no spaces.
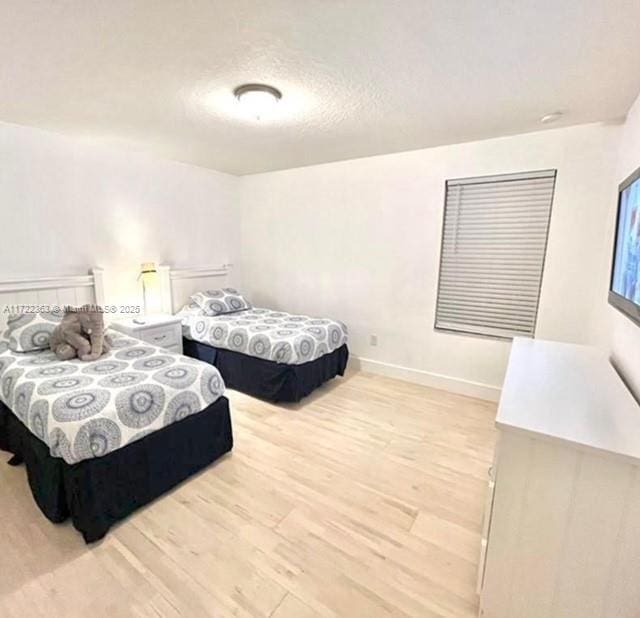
{"x":358,"y":77}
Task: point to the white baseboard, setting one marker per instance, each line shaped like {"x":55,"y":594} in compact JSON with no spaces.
{"x":426,"y":378}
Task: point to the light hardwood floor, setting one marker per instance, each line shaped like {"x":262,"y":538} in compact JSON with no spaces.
{"x":365,"y":500}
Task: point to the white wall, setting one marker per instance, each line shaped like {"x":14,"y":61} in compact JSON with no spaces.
{"x":624,"y":335}
{"x":360,"y":240}
{"x":66,"y":205}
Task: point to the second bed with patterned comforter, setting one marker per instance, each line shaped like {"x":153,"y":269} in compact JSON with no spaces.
{"x":270,"y":335}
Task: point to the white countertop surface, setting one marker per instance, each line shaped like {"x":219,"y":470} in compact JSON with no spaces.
{"x":571,"y":393}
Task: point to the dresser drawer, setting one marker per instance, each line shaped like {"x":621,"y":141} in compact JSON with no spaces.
{"x":162,"y":336}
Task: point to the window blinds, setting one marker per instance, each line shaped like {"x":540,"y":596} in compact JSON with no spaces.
{"x":494,"y":242}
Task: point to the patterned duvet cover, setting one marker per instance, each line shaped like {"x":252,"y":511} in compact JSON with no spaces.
{"x":84,"y":410}
{"x":272,"y":335}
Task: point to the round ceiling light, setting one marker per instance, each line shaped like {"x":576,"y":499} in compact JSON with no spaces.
{"x":257,"y":100}
{"x":548,"y":118}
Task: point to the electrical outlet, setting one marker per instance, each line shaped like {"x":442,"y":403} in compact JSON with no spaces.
{"x":373,"y":340}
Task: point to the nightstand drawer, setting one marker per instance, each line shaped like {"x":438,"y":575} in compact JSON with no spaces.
{"x":163,"y":331}
{"x":162,"y":336}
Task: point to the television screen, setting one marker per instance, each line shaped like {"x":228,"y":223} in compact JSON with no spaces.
{"x":625,"y":278}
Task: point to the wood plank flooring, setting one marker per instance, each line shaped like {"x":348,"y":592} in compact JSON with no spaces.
{"x":365,"y":500}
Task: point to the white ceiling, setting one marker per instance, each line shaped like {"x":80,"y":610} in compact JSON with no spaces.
{"x":358,"y":77}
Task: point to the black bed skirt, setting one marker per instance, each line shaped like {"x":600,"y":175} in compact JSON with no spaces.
{"x":96,"y":493}
{"x":266,"y":379}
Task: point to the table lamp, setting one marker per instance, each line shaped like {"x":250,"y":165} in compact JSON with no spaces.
{"x":150,"y":288}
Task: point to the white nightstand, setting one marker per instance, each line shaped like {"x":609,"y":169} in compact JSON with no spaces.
{"x":161,"y":330}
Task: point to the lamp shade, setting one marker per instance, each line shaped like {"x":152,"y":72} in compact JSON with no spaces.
{"x":150,"y":287}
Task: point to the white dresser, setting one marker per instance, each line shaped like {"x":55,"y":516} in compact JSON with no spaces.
{"x":164,"y":331}
{"x":562,"y":523}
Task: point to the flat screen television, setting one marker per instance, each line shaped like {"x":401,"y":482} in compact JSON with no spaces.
{"x":624,"y":291}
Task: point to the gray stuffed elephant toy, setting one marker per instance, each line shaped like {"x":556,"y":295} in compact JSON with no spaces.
{"x":81,"y":334}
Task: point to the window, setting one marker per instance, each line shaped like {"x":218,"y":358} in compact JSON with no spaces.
{"x":494,"y":240}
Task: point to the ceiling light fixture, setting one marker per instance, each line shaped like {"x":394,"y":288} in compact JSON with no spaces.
{"x":258,"y":100}
{"x":551,"y":117}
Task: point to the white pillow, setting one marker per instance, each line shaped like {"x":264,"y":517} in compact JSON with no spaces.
{"x":27,"y":332}
{"x":218,"y":302}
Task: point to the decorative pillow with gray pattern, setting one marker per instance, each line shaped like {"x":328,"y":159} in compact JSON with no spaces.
{"x":273,"y":335}
{"x":84,"y":410}
{"x":219,"y":302}
{"x":27,"y":332}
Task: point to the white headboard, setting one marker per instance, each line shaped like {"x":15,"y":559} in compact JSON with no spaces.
{"x":176,"y":285}
{"x":65,"y":290}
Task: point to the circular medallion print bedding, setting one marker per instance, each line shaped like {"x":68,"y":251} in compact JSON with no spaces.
{"x":271,"y":335}
{"x":84,"y":410}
